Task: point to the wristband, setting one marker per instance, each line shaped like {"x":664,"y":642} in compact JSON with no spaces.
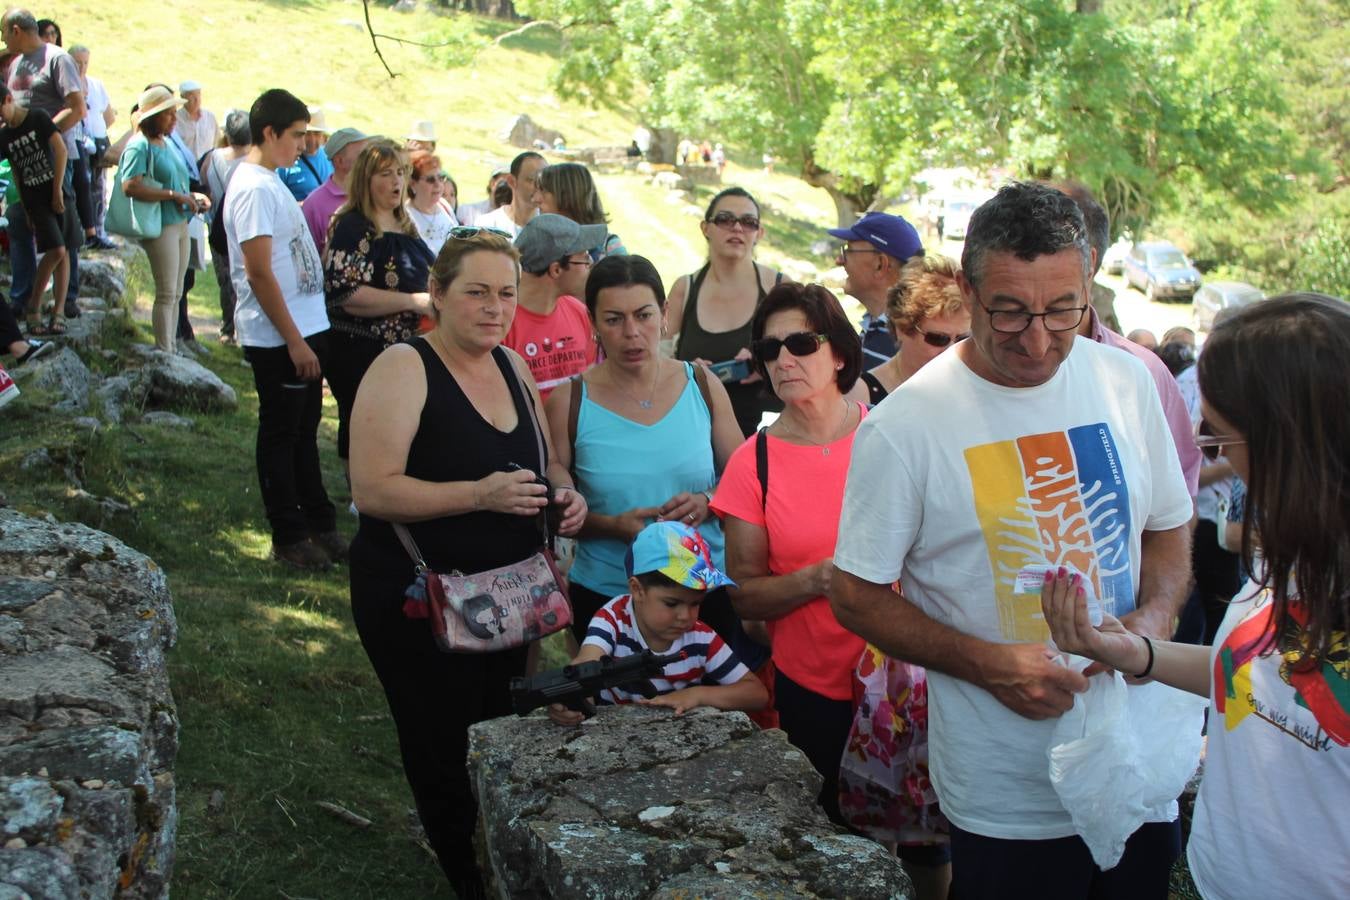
{"x":1148,"y":668}
{"x":709,"y":494}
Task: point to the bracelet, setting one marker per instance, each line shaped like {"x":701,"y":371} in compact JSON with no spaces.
{"x":1148,"y":668}
{"x":709,"y":494}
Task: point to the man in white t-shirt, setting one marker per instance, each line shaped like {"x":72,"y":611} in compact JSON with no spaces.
{"x":524,"y":181}
{"x":282,"y":324}
{"x":1025,"y":444}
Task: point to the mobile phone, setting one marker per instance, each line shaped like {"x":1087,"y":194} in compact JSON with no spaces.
{"x":731,"y":370}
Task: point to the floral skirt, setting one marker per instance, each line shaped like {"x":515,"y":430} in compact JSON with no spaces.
{"x":884,"y":788}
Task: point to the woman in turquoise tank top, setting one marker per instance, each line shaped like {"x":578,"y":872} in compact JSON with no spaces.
{"x":645,"y":436}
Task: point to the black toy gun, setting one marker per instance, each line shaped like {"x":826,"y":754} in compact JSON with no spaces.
{"x":573,"y":685}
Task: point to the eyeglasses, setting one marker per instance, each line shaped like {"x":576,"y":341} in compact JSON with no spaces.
{"x":1212,"y":444}
{"x":568,"y":262}
{"x":730,"y":220}
{"x":802,"y":343}
{"x":938,"y":339}
{"x":464,"y":232}
{"x":845,"y":250}
{"x":1008,"y":321}
{"x":442,"y":176}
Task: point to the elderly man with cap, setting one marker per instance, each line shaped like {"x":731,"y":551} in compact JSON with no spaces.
{"x":552,"y":330}
{"x":874,"y":249}
{"x":313,"y":167}
{"x":422,"y":136}
{"x":196,"y":124}
{"x":470,"y":213}
{"x":342,"y":149}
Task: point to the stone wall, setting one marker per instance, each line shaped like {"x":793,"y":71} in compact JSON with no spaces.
{"x":639,"y":802}
{"x":88,"y":727}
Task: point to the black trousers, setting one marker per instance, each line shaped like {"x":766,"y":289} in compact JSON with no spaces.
{"x":818,"y":726}
{"x":82,"y":183}
{"x":185,"y":332}
{"x":433,"y":698}
{"x":287,"y":451}
{"x":9,"y":326}
{"x":348,"y":359}
{"x":1062,"y":868}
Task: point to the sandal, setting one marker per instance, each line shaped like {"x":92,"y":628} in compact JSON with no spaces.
{"x":56,"y":329}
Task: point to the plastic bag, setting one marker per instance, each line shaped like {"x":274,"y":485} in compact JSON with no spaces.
{"x":1121,"y":756}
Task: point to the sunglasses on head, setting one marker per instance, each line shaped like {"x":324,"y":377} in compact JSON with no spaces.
{"x":938,"y":339}
{"x":730,"y":220}
{"x":464,"y":232}
{"x":1211,"y":444}
{"x":803,"y":343}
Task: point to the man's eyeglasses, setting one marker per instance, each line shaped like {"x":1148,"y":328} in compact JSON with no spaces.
{"x":802,"y":343}
{"x":465,"y":232}
{"x":1212,"y":444}
{"x":730,"y":220}
{"x":568,"y":262}
{"x":845,"y":250}
{"x":1009,"y":321}
{"x":938,"y":339}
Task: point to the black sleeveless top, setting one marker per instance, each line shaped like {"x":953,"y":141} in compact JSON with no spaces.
{"x":455,"y":443}
{"x":876,"y":391}
{"x":748,"y":401}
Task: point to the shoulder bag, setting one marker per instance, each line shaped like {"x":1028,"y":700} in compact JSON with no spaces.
{"x":498,"y":609}
{"x":138,"y":219}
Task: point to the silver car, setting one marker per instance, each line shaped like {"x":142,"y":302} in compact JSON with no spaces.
{"x":1216,"y":295}
{"x":1161,"y":271}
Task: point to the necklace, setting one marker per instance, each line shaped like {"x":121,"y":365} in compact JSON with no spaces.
{"x":651,"y":396}
{"x":823,"y":445}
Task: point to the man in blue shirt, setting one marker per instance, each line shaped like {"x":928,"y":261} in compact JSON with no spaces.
{"x":313,"y":167}
{"x":874,"y":249}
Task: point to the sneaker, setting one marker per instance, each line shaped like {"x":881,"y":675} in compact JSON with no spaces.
{"x":101,"y":243}
{"x":36,"y":350}
{"x":8,"y":389}
{"x":332,"y":543}
{"x":305,"y":555}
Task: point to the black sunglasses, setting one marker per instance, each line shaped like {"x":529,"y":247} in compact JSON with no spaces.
{"x":1211,"y":444}
{"x":938,"y":339}
{"x":465,"y":232}
{"x":803,"y":343}
{"x":730,"y":220}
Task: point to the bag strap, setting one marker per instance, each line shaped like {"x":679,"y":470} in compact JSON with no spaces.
{"x":701,"y":379}
{"x":406,"y":539}
{"x":539,"y":441}
{"x":762,"y":465}
{"x":574,"y":416}
{"x":313,"y":171}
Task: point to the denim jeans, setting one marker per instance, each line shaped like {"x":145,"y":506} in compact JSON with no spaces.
{"x":287,"y":451}
{"x":22,"y":256}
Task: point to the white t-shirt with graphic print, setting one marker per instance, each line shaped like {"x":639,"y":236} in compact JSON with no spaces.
{"x":258,"y":204}
{"x":956,"y":484}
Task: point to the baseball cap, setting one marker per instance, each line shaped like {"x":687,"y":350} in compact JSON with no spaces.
{"x":548,"y":237}
{"x":890,"y":234}
{"x":189,"y":85}
{"x":341,"y":138}
{"x":678,"y":552}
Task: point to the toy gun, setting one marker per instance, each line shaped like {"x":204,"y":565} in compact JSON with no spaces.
{"x":573,"y":685}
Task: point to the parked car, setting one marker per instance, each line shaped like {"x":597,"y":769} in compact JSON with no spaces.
{"x":1216,"y":295}
{"x":1113,"y":260}
{"x":1161,"y":271}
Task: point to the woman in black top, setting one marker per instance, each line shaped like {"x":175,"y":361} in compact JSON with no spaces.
{"x":375,"y":274}
{"x":437,"y":424}
{"x":926,"y":315}
{"x":711,"y":309}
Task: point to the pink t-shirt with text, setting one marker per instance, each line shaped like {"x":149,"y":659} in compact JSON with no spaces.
{"x":556,"y":346}
{"x":806,"y":495}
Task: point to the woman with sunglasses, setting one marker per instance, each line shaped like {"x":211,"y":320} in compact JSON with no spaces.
{"x":567,"y":189}
{"x":427,"y":206}
{"x":926,"y":315}
{"x":375,"y":275}
{"x":438,"y":424}
{"x":644,"y":435}
{"x":711,"y":310}
{"x":780,"y":543}
{"x":1270,"y":819}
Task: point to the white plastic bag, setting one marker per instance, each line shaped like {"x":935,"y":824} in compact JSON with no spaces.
{"x":1121,"y":756}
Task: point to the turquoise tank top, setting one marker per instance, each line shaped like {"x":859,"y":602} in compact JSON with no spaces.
{"x":620,"y":464}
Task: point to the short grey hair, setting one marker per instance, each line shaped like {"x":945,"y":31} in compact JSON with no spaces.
{"x":77,"y":48}
{"x":20,"y":18}
{"x":1027,"y":220}
{"x":236,"y":128}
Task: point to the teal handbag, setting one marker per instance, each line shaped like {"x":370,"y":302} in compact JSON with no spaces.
{"x":138,"y":219}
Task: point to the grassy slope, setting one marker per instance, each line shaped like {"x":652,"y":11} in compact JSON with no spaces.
{"x":279,"y":708}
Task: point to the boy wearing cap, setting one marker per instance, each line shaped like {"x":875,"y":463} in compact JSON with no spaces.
{"x":552,"y":330}
{"x":670,"y":572}
{"x":874,"y":249}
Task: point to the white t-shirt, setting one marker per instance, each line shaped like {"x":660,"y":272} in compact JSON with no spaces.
{"x":957,"y":483}
{"x":258,"y":204}
{"x":95,"y":101}
{"x":500,"y":219}
{"x":1273,"y":815}
{"x":433,"y":228}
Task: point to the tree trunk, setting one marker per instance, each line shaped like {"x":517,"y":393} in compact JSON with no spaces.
{"x":1087,"y":7}
{"x":848,"y":204}
{"x":501,"y":9}
{"x":664,"y":143}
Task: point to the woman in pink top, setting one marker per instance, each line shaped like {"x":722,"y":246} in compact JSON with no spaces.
{"x":780,"y":542}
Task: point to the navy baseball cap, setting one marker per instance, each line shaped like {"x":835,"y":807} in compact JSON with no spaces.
{"x":890,"y":234}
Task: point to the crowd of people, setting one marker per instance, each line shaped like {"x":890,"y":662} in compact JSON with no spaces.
{"x":830,"y":524}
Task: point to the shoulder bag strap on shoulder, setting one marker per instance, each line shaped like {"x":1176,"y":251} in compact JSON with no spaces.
{"x":573,"y":416}
{"x":539,"y":441}
{"x":762,"y":465}
{"x":701,"y":379}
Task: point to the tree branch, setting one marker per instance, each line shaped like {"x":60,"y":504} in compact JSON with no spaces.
{"x":529,"y":26}
{"x":370,"y":30}
{"x":375,"y":36}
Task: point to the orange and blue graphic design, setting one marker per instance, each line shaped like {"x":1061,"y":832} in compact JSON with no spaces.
{"x":1323,"y":691}
{"x":1060,"y":497}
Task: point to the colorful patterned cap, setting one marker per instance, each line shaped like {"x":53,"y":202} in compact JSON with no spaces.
{"x":678,"y":552}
